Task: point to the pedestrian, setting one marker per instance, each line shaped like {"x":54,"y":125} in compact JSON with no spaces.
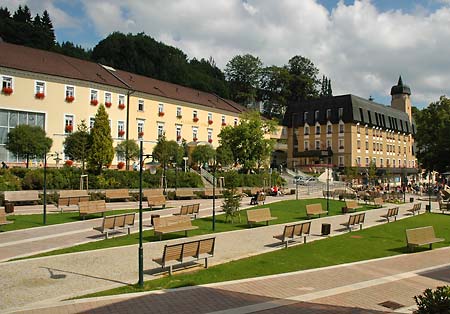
{"x":4,"y":165}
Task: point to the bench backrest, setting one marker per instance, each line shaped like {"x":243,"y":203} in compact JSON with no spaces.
{"x":156,"y":200}
{"x":118,"y":193}
{"x":421,"y":234}
{"x":393,"y":211}
{"x":417,"y":206}
{"x":356,"y":219}
{"x":351,"y":204}
{"x":152,"y":192}
{"x":206,"y":246}
{"x":72,"y":193}
{"x":2,"y":217}
{"x":182,"y":221}
{"x":184,"y":193}
{"x":129,"y":219}
{"x":21,"y":196}
{"x":258,"y":214}
{"x":120,"y":221}
{"x":297,"y":230}
{"x":314,"y":208}
{"x":196,"y":249}
{"x":378,"y":201}
{"x":92,"y":206}
{"x":108,"y":222}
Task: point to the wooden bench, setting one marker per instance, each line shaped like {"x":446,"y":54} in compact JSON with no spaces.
{"x":378,"y":202}
{"x":184,"y":193}
{"x":189,"y":210}
{"x":354,"y":220}
{"x":156,"y":200}
{"x":416,"y":208}
{"x":116,"y":223}
{"x":117,"y":194}
{"x":187,"y":252}
{"x":291,"y":232}
{"x":259,"y":198}
{"x":15,"y":197}
{"x":351,"y":206}
{"x":3,"y":220}
{"x":72,"y":197}
{"x":152,"y":192}
{"x":315,"y":209}
{"x":259,"y":215}
{"x":209,"y":193}
{"x":421,"y":236}
{"x":163,"y":225}
{"x":392,"y":212}
{"x":92,"y":207}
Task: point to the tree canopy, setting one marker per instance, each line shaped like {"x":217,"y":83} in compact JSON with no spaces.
{"x":128,"y":149}
{"x":202,"y":154}
{"x":167,"y":151}
{"x":76,"y":144}
{"x":101,"y":151}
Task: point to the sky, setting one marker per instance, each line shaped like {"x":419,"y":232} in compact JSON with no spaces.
{"x":362,"y":46}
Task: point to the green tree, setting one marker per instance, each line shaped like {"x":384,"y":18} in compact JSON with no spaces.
{"x":76,"y":145}
{"x":224,"y":156}
{"x":101,"y":150}
{"x":128,"y":149}
{"x":275,"y":91}
{"x":246,"y":140}
{"x":167,"y":151}
{"x":303,"y":81}
{"x":243,"y":74}
{"x":28,"y":141}
{"x":432,"y":137}
{"x":203,"y":154}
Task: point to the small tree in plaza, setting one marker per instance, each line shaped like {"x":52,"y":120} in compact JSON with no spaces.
{"x":224,"y":156}
{"x":101,"y":151}
{"x":128,"y":150}
{"x":167,"y":151}
{"x":28,"y":142}
{"x":76,"y":145}
{"x":202,"y":154}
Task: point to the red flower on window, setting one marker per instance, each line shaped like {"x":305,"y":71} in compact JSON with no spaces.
{"x":69,"y":163}
{"x":94,"y":102}
{"x":141,"y":134}
{"x":121,"y":106}
{"x":195,"y":139}
{"x":69,"y":128}
{"x":178,"y":137}
{"x":195,"y":119}
{"x":224,"y":123}
{"x":70,"y":98}
{"x":210,"y":121}
{"x":40,"y":95}
{"x":161,"y":113}
{"x":108,"y":104}
{"x":7,"y":90}
{"x":121,"y":165}
{"x":121,"y":133}
{"x":179,"y":116}
{"x":210,"y":140}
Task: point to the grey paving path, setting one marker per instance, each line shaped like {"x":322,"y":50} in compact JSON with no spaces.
{"x":57,"y":277}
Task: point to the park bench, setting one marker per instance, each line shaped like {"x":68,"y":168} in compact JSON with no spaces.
{"x":259,"y":198}
{"x":3,"y":220}
{"x":315,"y":209}
{"x":72,"y":197}
{"x":416,"y":208}
{"x":443,"y":206}
{"x":14,"y":197}
{"x":259,"y":215}
{"x":351,"y":206}
{"x":392,"y":212}
{"x":291,"y":232}
{"x":117,"y":194}
{"x":187,"y":252}
{"x":189,"y":210}
{"x":354,"y":220}
{"x":184,"y":193}
{"x":421,"y":236}
{"x":209,"y":193}
{"x":156,"y":200}
{"x":92,"y":207}
{"x":163,"y":225}
{"x":116,"y":223}
{"x":152,"y":192}
{"x":378,"y":202}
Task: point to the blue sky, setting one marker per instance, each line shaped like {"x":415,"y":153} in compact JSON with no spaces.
{"x":362,"y":46}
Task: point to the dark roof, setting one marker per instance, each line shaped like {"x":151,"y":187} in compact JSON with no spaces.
{"x":354,"y":110}
{"x":45,"y":62}
{"x":400,"y":88}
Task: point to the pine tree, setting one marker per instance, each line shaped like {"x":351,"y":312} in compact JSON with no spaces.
{"x":4,"y":13}
{"x":22,"y":15}
{"x":101,"y":151}
{"x":329,"y":90}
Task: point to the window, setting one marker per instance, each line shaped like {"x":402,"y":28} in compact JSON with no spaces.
{"x":7,"y":82}
{"x":305,"y":116}
{"x":160,"y":130}
{"x":120,"y":129}
{"x":140,"y":129}
{"x":160,"y":108}
{"x":68,"y":123}
{"x":358,"y":161}
{"x":388,"y":162}
{"x":179,"y":112}
{"x":224,"y":122}
{"x":306,"y":130}
{"x":361,"y":115}
{"x":341,"y":128}
{"x":316,"y":115}
{"x":178,"y":130}
{"x":341,"y":161}
{"x":399,"y":163}
{"x":367,"y":130}
{"x":194,"y":133}
{"x":328,"y":143}
{"x":94,"y":95}
{"x":328,"y":114}
{"x":358,"y":129}
{"x":141,"y":105}
{"x":381,"y":162}
{"x":235,"y":121}
{"x":358,"y":144}
{"x":341,"y":144}
{"x":108,"y":99}
{"x":341,"y":112}
{"x":195,"y":115}
{"x":91,"y":122}
{"x":367,"y":145}
{"x":306,"y":145}
{"x":210,"y":135}
{"x":393,"y":163}
{"x":70,"y":92}
{"x":210,"y":118}
{"x":367,"y":161}
{"x":317,"y":129}
{"x":121,"y":99}
{"x":329,"y":129}
{"x":39,"y":88}
{"x":317,"y":145}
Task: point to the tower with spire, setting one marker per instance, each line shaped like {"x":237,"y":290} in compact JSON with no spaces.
{"x":401,"y":97}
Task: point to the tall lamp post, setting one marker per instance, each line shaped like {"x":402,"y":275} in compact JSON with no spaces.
{"x":328,"y":187}
{"x":45,"y":187}
{"x":429,"y":191}
{"x":214,"y":195}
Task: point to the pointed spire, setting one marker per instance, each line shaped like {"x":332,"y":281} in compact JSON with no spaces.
{"x":400,"y":88}
{"x":400,"y":81}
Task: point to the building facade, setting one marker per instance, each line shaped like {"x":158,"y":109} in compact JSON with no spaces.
{"x":349,"y":131}
{"x":57,"y":92}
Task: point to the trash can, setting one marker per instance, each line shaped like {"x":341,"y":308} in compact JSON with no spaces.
{"x":344,"y":210}
{"x":153,"y":216}
{"x":427,"y":208}
{"x":326,"y":228}
{"x":411,"y":199}
{"x":9,"y":208}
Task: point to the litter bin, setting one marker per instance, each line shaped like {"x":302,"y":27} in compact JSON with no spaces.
{"x":326,"y":228}
{"x":427,"y":208}
{"x":9,"y":208}
{"x":411,"y":199}
{"x":153,"y":216}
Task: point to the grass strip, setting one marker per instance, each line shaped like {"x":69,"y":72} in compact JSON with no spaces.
{"x":376,"y":242}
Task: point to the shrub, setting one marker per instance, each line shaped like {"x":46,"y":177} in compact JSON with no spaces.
{"x":434,"y":302}
{"x":231,"y":204}
{"x":9,"y":182}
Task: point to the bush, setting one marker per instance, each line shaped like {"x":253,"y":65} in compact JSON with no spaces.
{"x":434,"y":302}
{"x":9,"y":182}
{"x":234,"y":179}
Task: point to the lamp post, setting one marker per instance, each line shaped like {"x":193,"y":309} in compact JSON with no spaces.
{"x":185,"y":163}
{"x":429,"y":191}
{"x":328,"y":187}
{"x":44,"y":218}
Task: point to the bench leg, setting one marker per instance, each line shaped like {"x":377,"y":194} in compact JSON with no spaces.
{"x":185,"y":233}
{"x":304,"y":239}
{"x":170,"y":270}
{"x":360,"y":227}
{"x":129,"y":230}
{"x":206,"y":262}
{"x":267,"y":223}
{"x":106,"y":235}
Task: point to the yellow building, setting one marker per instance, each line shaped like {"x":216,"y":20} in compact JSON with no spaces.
{"x":349,"y":131}
{"x":56,"y":92}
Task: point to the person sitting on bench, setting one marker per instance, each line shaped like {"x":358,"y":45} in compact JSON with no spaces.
{"x":254,"y":200}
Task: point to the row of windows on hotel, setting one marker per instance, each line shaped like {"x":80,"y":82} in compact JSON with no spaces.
{"x":390,"y":135}
{"x":40,"y":90}
{"x":396,"y":163}
{"x":377,"y":147}
{"x":379,"y":119}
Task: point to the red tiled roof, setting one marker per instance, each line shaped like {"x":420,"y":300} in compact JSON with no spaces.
{"x":45,"y":62}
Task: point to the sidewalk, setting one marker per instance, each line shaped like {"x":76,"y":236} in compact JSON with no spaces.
{"x":63,"y":276}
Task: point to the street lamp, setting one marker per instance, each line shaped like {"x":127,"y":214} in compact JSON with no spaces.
{"x":185,"y":163}
{"x":45,"y":186}
{"x":429,"y":191}
{"x":328,"y":187}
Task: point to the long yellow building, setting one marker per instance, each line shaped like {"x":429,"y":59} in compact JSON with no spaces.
{"x":57,"y":92}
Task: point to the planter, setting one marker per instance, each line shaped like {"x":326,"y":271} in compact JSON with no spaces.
{"x":69,"y":128}
{"x":195,"y":119}
{"x":40,"y":95}
{"x":120,"y":165}
{"x":108,"y":104}
{"x":121,"y":133}
{"x":121,"y":106}
{"x":195,"y":139}
{"x":7,"y":90}
{"x":141,"y":134}
{"x":224,"y":124}
{"x":210,"y":122}
{"x":179,"y":117}
{"x":178,"y":138}
{"x":70,"y":99}
{"x":94,"y":102}
{"x":161,"y":114}
{"x":210,"y":141}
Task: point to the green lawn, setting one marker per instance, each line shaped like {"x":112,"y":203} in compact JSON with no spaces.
{"x":380,"y":241}
{"x":285,"y":211}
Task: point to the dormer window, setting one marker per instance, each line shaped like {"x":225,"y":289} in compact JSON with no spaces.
{"x":306,"y":130}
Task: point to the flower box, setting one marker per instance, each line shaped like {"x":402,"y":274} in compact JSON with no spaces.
{"x":108,"y":104}
{"x":121,"y":106}
{"x":121,"y":165}
{"x":179,"y":116}
{"x":94,"y":102}
{"x":141,"y":134}
{"x":224,"y":123}
{"x":70,"y":98}
{"x":161,"y":113}
{"x":121,"y":133}
{"x":40,"y":95}
{"x":195,"y":119}
{"x":68,"y":163}
{"x":69,"y":128}
{"x":341,"y":147}
{"x":210,"y":122}
{"x":195,"y":139}
{"x":210,"y":140}
{"x":7,"y":90}
{"x":178,"y":137}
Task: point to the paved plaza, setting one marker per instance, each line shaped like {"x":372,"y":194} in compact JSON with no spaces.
{"x":38,"y":285}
